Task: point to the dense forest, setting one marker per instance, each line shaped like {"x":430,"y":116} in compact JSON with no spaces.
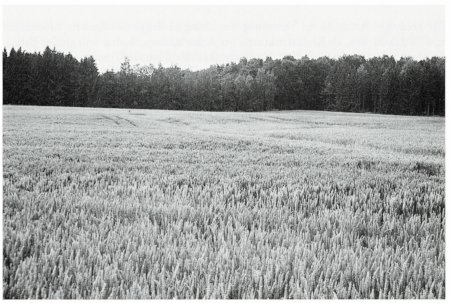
{"x":349,"y":83}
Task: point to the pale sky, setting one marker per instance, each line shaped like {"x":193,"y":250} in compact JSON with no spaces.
{"x":196,"y":37}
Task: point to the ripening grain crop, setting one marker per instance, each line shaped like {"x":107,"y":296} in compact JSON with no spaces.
{"x":112,"y":203}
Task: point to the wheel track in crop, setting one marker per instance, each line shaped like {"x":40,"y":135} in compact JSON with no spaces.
{"x":118,"y":119}
{"x":132,"y":123}
{"x":109,"y":118}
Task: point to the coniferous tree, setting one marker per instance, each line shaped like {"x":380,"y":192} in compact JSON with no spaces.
{"x":6,"y":78}
{"x":87,"y":82}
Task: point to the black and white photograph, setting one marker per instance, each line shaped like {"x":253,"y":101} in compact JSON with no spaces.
{"x":245,"y":151}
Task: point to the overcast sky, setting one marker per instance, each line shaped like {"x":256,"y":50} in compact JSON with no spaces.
{"x":197,"y":36}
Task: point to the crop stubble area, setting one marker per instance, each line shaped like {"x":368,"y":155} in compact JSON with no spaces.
{"x":113,"y":203}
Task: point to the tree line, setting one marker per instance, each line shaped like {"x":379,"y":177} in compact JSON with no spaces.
{"x":349,"y":83}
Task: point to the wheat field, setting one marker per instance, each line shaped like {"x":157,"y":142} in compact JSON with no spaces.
{"x":136,"y":204}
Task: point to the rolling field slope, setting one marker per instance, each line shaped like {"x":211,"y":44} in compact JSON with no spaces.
{"x":114,"y":203}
